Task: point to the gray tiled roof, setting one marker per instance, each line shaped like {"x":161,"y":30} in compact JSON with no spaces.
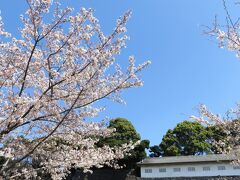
{"x":187,"y":159}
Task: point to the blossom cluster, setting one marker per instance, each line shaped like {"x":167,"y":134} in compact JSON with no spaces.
{"x":50,"y":79}
{"x":227,"y":36}
{"x":230,"y":125}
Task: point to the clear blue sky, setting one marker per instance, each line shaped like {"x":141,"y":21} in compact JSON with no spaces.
{"x":187,"y":68}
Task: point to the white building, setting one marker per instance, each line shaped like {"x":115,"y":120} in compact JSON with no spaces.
{"x":189,"y":166}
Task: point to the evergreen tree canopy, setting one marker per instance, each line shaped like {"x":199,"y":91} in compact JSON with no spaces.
{"x":187,"y":138}
{"x":126,"y":133}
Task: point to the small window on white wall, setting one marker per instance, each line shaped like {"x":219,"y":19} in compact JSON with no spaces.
{"x":176,"y":169}
{"x":162,"y":170}
{"x":206,"y":168}
{"x":148,"y":170}
{"x":191,"y":168}
{"x":221,"y":168}
{"x":236,"y":167}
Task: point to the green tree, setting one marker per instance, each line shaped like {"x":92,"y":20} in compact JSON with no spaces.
{"x":155,"y":151}
{"x":216,"y":133}
{"x":225,"y":137}
{"x":187,"y":138}
{"x":2,"y":160}
{"x":136,"y":155}
{"x":126,"y":133}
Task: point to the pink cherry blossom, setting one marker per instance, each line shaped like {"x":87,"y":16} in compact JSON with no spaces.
{"x":50,"y":79}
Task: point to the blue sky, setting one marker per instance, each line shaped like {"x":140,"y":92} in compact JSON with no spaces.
{"x":187,"y":68}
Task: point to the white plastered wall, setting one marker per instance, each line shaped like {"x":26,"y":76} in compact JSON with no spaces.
{"x":229,"y":170}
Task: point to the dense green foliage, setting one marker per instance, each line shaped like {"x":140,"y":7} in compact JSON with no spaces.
{"x":188,"y":138}
{"x":136,"y":155}
{"x":155,"y":151}
{"x":126,"y":133}
{"x":2,"y":161}
{"x":226,"y":135}
{"x":216,"y":133}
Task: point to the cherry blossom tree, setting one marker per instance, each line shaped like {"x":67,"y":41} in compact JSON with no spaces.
{"x":227,"y":36}
{"x":50,"y":80}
